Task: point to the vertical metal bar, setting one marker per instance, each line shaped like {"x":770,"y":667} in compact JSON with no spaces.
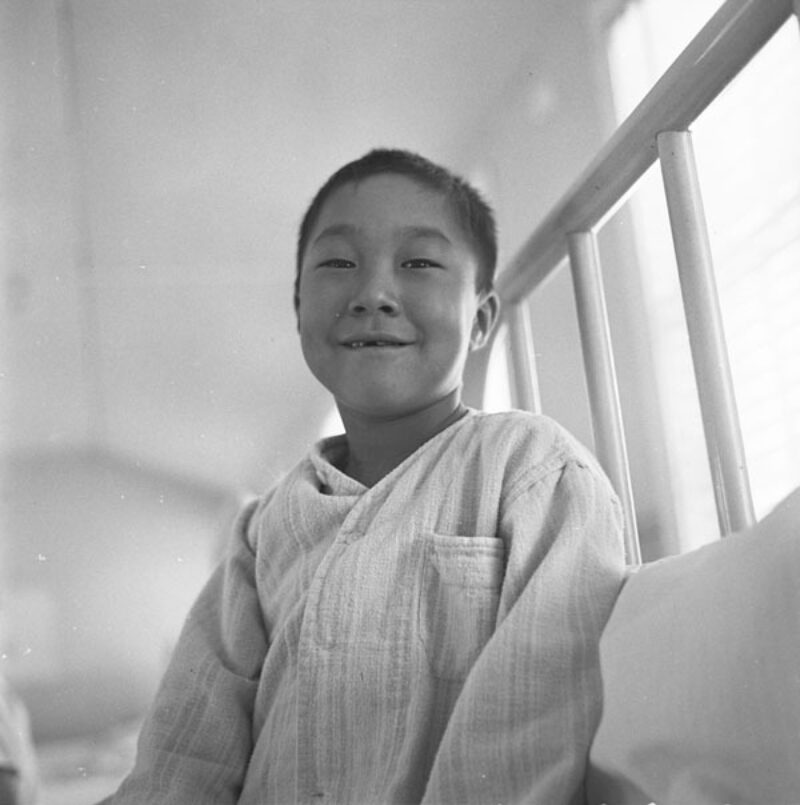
{"x":525,"y":385}
{"x":601,"y":378}
{"x":706,"y":333}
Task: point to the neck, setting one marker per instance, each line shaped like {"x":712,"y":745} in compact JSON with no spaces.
{"x":376,"y":446}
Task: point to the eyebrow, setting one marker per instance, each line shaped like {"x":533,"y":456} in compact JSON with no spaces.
{"x":337,"y":230}
{"x":424,"y":232}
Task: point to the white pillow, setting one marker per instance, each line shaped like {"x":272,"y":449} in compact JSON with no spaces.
{"x":701,"y":676}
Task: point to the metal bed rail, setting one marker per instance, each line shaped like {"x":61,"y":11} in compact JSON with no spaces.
{"x":656,"y":130}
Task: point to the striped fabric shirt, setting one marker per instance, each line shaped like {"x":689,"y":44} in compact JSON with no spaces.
{"x":433,"y":638}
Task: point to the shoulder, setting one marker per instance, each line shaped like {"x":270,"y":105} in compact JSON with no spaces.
{"x":272,"y":507}
{"x":519,"y":422}
{"x":531,"y":438}
{"x":287,"y":482}
{"x":527,"y":448}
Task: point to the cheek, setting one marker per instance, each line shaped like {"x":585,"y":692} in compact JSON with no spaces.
{"x":321,"y":297}
{"x":451,"y":315}
{"x":317,"y":359}
{"x":314,"y":306}
{"x":311,"y":336}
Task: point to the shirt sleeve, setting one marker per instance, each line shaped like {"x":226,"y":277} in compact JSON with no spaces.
{"x":521,"y":728}
{"x":196,"y":740}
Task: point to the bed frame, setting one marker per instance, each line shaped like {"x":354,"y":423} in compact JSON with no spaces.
{"x":699,"y":659}
{"x":658,"y":129}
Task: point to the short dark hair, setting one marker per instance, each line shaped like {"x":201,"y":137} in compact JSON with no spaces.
{"x":471,"y":210}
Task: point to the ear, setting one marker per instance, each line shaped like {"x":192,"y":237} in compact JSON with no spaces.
{"x":485,"y":319}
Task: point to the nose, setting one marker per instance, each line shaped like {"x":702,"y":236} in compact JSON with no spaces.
{"x":375,"y":292}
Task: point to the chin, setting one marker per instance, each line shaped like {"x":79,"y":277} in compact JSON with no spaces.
{"x":382,"y":407}
{"x":386,"y":409}
{"x":389,"y":411}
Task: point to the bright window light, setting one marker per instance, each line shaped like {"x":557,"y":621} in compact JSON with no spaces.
{"x":332,"y":424}
{"x":747,"y":146}
{"x":497,"y":391}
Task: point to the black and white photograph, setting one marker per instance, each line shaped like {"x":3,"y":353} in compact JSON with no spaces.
{"x":399,"y":402}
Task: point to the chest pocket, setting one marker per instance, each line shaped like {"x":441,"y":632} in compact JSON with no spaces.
{"x":460,"y":592}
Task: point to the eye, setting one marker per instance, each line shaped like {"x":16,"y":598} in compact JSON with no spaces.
{"x":420,"y":262}
{"x":337,"y":262}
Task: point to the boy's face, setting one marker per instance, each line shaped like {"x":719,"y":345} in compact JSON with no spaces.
{"x":388,"y":302}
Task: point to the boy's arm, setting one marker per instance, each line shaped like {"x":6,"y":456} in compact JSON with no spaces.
{"x":521,"y":729}
{"x":197,"y":738}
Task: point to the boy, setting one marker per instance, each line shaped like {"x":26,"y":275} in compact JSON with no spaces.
{"x":412,"y":614}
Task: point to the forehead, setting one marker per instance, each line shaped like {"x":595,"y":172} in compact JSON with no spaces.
{"x":385,"y":205}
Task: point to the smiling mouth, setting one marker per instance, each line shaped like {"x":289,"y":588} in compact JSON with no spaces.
{"x":373,"y":344}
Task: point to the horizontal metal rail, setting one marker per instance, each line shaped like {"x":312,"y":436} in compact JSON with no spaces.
{"x":657,"y":129}
{"x":719,"y":51}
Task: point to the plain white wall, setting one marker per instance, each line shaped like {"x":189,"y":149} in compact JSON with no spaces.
{"x":106,"y":557}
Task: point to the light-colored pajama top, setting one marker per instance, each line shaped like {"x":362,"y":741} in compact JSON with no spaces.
{"x":433,"y":638}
